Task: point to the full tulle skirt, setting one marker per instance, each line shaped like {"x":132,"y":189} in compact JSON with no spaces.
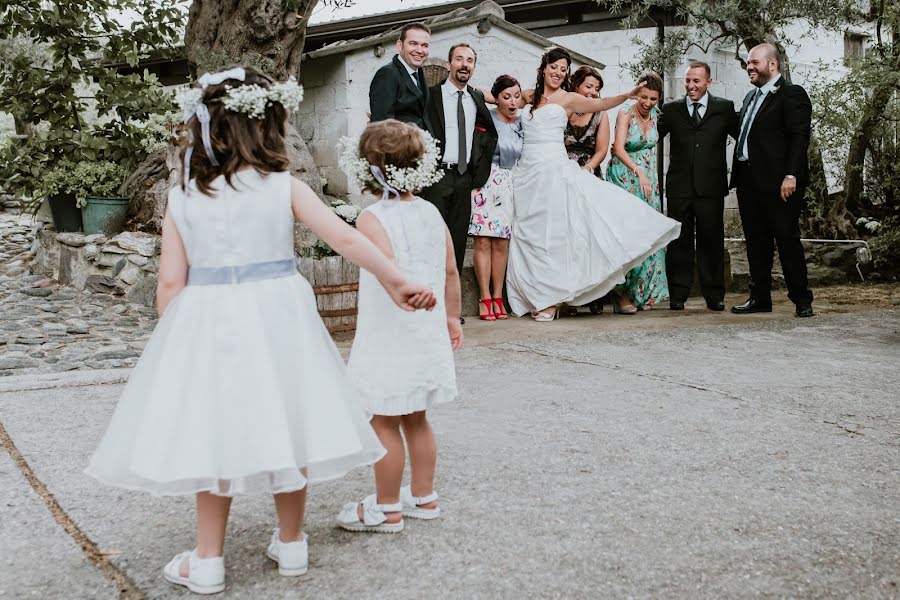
{"x":240,"y":389}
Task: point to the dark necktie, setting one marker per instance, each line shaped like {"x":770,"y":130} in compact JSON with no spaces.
{"x":696,"y":114}
{"x":420,"y":79}
{"x":461,"y":134}
{"x":745,"y":128}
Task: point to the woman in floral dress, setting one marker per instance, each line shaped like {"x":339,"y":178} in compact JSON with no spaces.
{"x":633,"y":167}
{"x":492,"y":204}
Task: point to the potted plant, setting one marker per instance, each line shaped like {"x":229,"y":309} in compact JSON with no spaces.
{"x":58,"y":188}
{"x":102,"y":209}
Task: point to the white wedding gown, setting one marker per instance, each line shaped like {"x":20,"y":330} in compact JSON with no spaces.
{"x":574,"y":236}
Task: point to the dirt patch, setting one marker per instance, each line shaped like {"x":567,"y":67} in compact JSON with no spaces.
{"x":883,"y":295}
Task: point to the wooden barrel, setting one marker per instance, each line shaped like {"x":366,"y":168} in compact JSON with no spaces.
{"x":336,"y":284}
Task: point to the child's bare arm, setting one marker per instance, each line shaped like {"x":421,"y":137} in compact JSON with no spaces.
{"x":355,"y":246}
{"x":173,"y":265}
{"x":452,"y":298}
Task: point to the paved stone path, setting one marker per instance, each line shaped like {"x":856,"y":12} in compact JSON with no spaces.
{"x":45,"y":327}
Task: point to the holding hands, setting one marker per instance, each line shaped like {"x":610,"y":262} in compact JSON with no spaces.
{"x":411,"y":297}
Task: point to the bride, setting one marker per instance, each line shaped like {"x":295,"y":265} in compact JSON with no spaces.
{"x":574,"y":236}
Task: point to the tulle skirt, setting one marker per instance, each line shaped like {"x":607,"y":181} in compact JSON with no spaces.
{"x":240,"y":389}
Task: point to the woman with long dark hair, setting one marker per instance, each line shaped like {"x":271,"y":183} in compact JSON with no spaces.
{"x":587,"y":134}
{"x":574,"y":236}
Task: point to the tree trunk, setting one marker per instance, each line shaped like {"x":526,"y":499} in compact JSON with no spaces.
{"x":874,"y":109}
{"x":260,"y":33}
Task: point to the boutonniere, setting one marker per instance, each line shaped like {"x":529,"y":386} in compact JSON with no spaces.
{"x":775,"y":89}
{"x":480,"y":128}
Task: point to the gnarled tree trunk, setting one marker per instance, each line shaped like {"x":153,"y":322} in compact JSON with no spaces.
{"x":266,"y":34}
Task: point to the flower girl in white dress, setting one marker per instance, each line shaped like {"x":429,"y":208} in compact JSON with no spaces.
{"x":402,"y":363}
{"x":240,"y":389}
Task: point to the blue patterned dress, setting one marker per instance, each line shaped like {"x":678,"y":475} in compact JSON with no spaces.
{"x":647,"y":283}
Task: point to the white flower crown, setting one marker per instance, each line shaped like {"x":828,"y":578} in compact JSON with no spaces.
{"x":406,"y":179}
{"x":250,"y":100}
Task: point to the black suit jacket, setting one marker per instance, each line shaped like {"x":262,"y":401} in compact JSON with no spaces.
{"x":778,"y":141}
{"x":697,"y":153}
{"x":484,"y":138}
{"x":394,"y":95}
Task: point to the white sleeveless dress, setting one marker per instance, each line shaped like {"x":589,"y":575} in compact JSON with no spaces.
{"x":240,"y":386}
{"x":574,"y":236}
{"x":401,"y":362}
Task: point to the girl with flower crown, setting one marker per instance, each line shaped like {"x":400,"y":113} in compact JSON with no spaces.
{"x":401,"y":364}
{"x":240,"y":389}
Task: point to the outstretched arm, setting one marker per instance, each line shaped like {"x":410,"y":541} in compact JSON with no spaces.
{"x":452,"y":297}
{"x":578,"y":103}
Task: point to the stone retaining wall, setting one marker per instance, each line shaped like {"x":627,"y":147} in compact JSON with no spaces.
{"x":125,"y":265}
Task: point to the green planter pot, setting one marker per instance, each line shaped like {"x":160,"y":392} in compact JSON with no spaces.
{"x":104,"y":215}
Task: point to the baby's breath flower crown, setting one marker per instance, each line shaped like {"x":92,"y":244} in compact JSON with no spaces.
{"x":408,"y":179}
{"x":250,"y":100}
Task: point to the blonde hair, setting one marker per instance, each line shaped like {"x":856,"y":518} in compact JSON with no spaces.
{"x":390,"y":142}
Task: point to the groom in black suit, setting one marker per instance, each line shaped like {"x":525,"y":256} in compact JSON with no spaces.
{"x":462,"y":125}
{"x":771,"y":171}
{"x":398,"y":89}
{"x":696,"y":185}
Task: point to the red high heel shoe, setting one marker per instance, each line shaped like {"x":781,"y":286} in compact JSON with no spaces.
{"x":489,"y":305}
{"x":500,"y":314}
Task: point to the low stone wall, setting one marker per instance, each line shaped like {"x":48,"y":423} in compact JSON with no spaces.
{"x":124,"y":265}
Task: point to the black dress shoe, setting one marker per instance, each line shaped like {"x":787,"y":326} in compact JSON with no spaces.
{"x":804,"y":310}
{"x":751,"y":306}
{"x":716,"y":305}
{"x":673,"y":305}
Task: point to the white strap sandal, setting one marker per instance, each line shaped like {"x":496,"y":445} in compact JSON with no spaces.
{"x":292,"y":557}
{"x":374,"y":519}
{"x":205,"y":575}
{"x":412,"y":505}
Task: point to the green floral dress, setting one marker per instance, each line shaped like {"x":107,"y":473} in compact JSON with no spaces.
{"x":646,"y":284}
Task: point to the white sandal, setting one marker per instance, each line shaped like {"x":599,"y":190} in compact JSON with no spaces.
{"x":412,"y":505}
{"x":374,"y":519}
{"x":205,"y":575}
{"x":292,"y":557}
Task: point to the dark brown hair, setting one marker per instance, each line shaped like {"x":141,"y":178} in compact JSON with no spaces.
{"x":582,"y":73}
{"x":238,"y":141}
{"x":654,"y":82}
{"x":461,"y":45}
{"x":553,"y":55}
{"x":502,"y":83}
{"x":390,"y":142}
{"x":699,"y":64}
{"x":411,"y":26}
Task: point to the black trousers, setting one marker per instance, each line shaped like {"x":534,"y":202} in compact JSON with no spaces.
{"x":701,"y":218}
{"x":452,"y":196}
{"x":769,"y":221}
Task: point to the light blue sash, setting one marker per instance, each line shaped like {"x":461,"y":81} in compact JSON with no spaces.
{"x":242,"y":273}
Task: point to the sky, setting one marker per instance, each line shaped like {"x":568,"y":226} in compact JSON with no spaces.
{"x":361,"y":8}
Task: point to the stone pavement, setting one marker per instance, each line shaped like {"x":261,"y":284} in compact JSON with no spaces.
{"x":648,"y":457}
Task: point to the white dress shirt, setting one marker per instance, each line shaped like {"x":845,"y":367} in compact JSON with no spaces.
{"x":412,"y":72}
{"x":704,"y":102}
{"x":766,"y":90}
{"x":449,"y":95}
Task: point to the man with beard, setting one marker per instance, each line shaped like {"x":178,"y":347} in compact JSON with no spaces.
{"x":696,"y":185}
{"x":771,"y":172}
{"x":461,"y":123}
{"x":398,"y":89}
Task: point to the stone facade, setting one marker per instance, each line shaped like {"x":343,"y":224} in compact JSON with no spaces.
{"x":125,"y":265}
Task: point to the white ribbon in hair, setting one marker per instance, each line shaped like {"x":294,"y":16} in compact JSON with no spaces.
{"x":208,"y":79}
{"x":389,"y":190}
{"x":202,"y":114}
